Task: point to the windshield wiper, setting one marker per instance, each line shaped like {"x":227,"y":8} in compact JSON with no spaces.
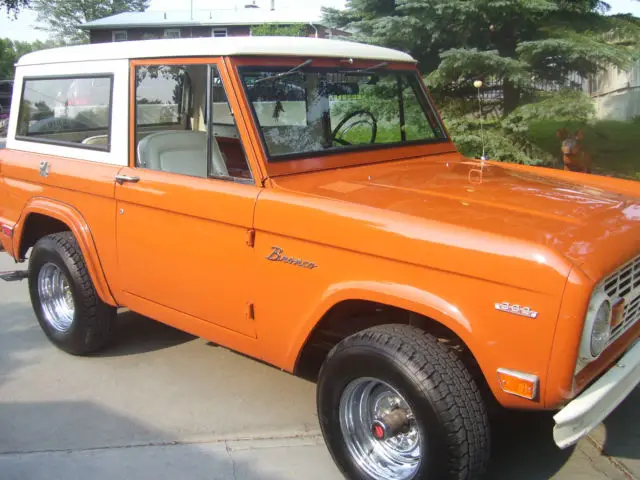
{"x":375,"y":67}
{"x":285,"y":74}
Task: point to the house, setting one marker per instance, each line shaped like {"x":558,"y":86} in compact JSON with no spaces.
{"x":200,"y":23}
{"x":616,"y":93}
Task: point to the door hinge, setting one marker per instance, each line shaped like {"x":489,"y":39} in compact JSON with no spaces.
{"x":251,"y":237}
{"x":251,"y":313}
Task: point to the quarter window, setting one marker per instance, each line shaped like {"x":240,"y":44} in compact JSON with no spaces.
{"x":72,"y":111}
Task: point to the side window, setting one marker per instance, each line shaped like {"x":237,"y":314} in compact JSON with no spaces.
{"x":173,"y":131}
{"x":73,"y":111}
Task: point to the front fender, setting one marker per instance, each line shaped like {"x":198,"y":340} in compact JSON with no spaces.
{"x":406,"y":297}
{"x":74,"y":220}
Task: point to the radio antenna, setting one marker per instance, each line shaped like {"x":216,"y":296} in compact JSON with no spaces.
{"x":478,"y":85}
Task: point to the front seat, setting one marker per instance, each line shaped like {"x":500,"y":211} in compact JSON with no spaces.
{"x":180,"y":151}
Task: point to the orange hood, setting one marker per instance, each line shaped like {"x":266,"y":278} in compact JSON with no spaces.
{"x":593,"y":228}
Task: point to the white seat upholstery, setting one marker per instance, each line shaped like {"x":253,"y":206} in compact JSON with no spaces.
{"x":180,"y":151}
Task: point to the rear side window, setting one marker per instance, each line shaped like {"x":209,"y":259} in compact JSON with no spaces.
{"x":71,"y":111}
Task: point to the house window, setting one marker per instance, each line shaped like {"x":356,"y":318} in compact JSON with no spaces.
{"x":172,"y":33}
{"x":119,"y":36}
{"x":219,"y":32}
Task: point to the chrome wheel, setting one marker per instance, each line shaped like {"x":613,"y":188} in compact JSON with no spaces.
{"x":56,"y":298}
{"x":380,"y":430}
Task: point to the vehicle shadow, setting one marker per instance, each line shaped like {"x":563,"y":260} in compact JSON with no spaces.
{"x":623,"y":429}
{"x":523,"y":447}
{"x":20,"y":339}
{"x":70,"y":439}
{"x":137,"y":334}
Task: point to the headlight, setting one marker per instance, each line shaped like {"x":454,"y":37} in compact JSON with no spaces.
{"x":601,"y":329}
{"x":597,"y":327}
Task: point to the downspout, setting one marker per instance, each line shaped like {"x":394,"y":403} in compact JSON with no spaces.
{"x":314,"y":27}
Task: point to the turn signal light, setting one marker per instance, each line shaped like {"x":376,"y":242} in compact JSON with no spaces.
{"x":7,"y":231}
{"x":520,"y":384}
{"x":617,"y":313}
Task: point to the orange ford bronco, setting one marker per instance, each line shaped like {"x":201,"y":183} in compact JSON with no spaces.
{"x":300,"y":201}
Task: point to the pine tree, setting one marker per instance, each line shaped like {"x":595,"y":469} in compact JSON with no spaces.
{"x":531,"y":54}
{"x":12,"y":7}
{"x":519,"y":45}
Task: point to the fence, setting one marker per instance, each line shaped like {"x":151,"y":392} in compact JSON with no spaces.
{"x":492,"y":89}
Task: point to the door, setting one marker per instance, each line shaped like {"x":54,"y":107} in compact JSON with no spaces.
{"x":185,"y":206}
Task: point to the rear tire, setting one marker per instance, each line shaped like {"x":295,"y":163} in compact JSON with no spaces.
{"x":64,"y":299}
{"x":400,"y":368}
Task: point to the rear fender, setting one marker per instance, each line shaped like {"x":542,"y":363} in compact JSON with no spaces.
{"x":78,"y":226}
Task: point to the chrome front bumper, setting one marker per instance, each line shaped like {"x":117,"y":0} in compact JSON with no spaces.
{"x":593,"y":405}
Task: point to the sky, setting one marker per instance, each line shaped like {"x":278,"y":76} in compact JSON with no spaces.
{"x":24,"y":27}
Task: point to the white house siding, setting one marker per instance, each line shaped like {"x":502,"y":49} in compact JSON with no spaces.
{"x":617,"y":93}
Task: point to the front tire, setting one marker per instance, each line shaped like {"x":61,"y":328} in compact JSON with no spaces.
{"x":64,"y":299}
{"x":394,"y":403}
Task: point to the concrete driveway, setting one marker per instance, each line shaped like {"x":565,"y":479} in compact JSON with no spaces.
{"x":163,"y":404}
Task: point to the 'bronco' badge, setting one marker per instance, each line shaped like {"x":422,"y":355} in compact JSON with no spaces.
{"x":277,"y":256}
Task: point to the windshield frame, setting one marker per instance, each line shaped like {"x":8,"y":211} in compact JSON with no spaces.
{"x":343,"y":66}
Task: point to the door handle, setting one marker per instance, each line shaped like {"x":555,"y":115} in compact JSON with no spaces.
{"x":120,"y":179}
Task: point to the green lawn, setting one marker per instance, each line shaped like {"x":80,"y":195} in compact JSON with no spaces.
{"x":614,"y":145}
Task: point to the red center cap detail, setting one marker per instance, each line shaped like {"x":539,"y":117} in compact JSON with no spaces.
{"x":378,"y":431}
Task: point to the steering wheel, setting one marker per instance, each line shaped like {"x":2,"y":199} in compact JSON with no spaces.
{"x":337,"y":135}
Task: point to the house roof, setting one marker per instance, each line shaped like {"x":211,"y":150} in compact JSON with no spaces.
{"x":240,"y":16}
{"x":209,"y":46}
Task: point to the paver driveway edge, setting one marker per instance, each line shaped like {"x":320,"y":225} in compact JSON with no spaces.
{"x":619,"y":464}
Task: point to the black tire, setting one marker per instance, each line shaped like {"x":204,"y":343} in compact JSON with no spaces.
{"x":445,"y":401}
{"x":92,"y":325}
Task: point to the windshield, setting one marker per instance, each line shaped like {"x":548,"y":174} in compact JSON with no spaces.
{"x":315,"y":111}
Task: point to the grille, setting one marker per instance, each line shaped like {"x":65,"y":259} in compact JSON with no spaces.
{"x":625,"y":283}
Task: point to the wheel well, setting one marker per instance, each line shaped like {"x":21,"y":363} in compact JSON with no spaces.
{"x":37,"y":226}
{"x":352,"y":316}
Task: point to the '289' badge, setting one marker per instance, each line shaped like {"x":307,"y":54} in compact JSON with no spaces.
{"x":516,"y":310}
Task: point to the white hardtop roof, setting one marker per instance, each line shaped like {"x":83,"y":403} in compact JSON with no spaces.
{"x":196,"y":47}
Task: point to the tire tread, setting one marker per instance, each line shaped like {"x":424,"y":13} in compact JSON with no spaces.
{"x":449,"y":384}
{"x":97,"y":317}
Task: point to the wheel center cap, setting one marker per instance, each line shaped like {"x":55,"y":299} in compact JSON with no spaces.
{"x":388,"y":426}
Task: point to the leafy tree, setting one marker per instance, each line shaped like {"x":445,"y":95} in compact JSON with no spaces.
{"x":12,"y":7}
{"x":11,"y":51}
{"x":64,"y":17}
{"x":275,"y":30}
{"x":7,"y":58}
